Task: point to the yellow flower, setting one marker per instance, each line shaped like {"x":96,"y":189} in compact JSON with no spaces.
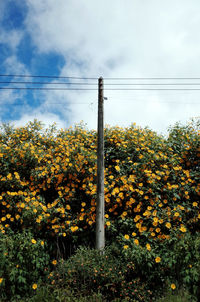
{"x":108,"y":223}
{"x":173,"y":286}
{"x":126,"y":236}
{"x":1,"y":280}
{"x":148,"y":246}
{"x":124,"y":214}
{"x":54,"y":262}
{"x":42,"y":243}
{"x":17,"y":175}
{"x":195,"y":204}
{"x":155,"y":219}
{"x":9,"y":176}
{"x":183,"y":229}
{"x":134,"y":234}
{"x":34,"y":286}
{"x":136,"y":241}
{"x":74,"y":228}
{"x":168,"y":225}
{"x":157,"y":259}
{"x":126,"y":247}
{"x":33,"y":241}
{"x":117,"y":168}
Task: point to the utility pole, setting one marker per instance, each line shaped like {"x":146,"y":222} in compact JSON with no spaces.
{"x":100,"y":206}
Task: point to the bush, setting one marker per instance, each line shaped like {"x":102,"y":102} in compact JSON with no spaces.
{"x":169,"y":264}
{"x":90,"y":271}
{"x":24,"y":262}
{"x":48,"y":182}
{"x":152,"y":210}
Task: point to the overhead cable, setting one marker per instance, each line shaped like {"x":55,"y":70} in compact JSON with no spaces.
{"x":95,"y":78}
{"x":47,"y":83}
{"x":42,"y":88}
{"x":46,"y":76}
{"x":94,"y":84}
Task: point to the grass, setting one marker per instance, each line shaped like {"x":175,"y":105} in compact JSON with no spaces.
{"x":181,"y":295}
{"x":45,"y":294}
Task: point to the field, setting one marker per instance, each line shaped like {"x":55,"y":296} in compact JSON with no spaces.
{"x":48,"y":208}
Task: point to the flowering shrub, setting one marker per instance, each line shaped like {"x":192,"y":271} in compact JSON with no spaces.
{"x":134,"y":273}
{"x":24,"y":261}
{"x":88,"y":271}
{"x":152,"y":188}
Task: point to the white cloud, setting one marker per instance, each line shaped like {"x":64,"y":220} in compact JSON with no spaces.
{"x":12,"y":38}
{"x":46,"y":118}
{"x":8,"y":97}
{"x":14,"y":66}
{"x":118,"y":38}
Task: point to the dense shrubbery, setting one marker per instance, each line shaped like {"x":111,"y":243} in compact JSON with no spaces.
{"x":24,"y":262}
{"x":152,"y":203}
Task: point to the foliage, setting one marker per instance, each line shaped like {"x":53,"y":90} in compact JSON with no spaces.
{"x":152,"y":201}
{"x":53,"y":294}
{"x":181,"y":296}
{"x":48,"y":181}
{"x":23,"y":263}
{"x":134,"y":273}
{"x":89,"y":270}
{"x":173,"y":264}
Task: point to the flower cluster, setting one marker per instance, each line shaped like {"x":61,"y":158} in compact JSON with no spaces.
{"x":48,"y":181}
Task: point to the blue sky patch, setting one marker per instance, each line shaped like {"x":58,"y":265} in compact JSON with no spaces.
{"x":14,"y":15}
{"x":26,"y":50}
{"x":47,"y":64}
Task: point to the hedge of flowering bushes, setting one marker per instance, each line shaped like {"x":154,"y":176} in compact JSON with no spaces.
{"x":48,"y":186}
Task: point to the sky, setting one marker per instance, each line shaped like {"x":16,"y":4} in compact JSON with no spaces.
{"x":119,"y":40}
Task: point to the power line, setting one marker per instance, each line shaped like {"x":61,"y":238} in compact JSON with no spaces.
{"x":151,"y":101}
{"x":96,"y":78}
{"x":46,"y":104}
{"x":153,"y":89}
{"x":154,"y":78}
{"x":94,"y":84}
{"x":48,"y":83}
{"x":118,"y":101}
{"x":42,"y":88}
{"x":95,"y":89}
{"x":46,"y":76}
{"x":152,"y":84}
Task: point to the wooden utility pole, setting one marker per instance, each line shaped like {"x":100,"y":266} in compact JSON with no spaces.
{"x":100,"y":207}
